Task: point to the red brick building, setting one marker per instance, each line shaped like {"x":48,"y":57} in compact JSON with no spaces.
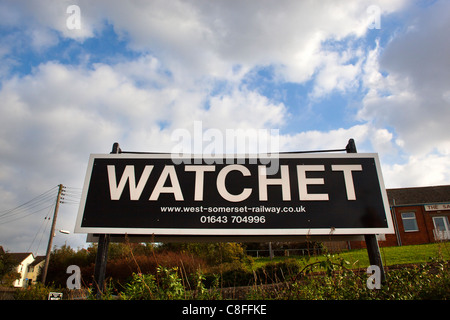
{"x":420,"y":215}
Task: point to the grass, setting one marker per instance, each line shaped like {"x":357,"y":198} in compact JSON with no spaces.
{"x":414,"y":254}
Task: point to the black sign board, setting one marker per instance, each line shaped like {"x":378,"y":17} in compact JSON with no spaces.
{"x":310,"y":194}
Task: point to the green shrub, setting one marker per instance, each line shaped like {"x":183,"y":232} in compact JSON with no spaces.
{"x":141,"y":287}
{"x":423,"y":282}
{"x":34,"y":292}
{"x":218,"y":253}
{"x":166,"y":285}
{"x":236,"y":277}
{"x":274,"y":272}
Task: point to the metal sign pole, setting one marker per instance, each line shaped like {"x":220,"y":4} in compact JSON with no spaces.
{"x":102,"y":252}
{"x":100,"y":264}
{"x":373,"y":250}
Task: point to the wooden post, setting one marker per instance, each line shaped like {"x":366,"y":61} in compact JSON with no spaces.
{"x":373,"y":250}
{"x":102,"y":252}
{"x":270,"y":251}
{"x":52,"y":234}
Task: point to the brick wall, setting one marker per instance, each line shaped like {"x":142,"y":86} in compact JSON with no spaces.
{"x":424,"y":222}
{"x":413,"y":237}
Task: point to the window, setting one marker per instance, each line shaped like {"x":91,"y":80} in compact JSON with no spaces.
{"x":409,"y":221}
{"x":441,"y":228}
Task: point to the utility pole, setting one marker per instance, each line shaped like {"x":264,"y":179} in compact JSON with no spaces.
{"x":52,"y":234}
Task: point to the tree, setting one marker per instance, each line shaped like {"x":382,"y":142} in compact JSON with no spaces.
{"x":7,"y":269}
{"x":63,"y":257}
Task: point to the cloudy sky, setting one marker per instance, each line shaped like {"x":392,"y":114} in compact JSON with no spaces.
{"x":76,"y":79}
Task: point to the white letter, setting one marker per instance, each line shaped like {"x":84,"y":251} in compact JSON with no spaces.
{"x":221,"y":183}
{"x":73,"y":282}
{"x":74,"y":20}
{"x":283,"y":181}
{"x":199,"y":177}
{"x":348,"y":178}
{"x":303,"y":183}
{"x":128,"y":174}
{"x":168,"y":172}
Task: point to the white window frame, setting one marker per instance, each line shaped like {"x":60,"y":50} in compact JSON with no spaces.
{"x":441,"y":234}
{"x":403,"y":215}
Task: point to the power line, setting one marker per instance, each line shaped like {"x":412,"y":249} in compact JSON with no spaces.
{"x":71,"y":195}
{"x":45,"y":200}
{"x":43,"y":224}
{"x":37,"y":204}
{"x":27,"y":215}
{"x":44,"y":194}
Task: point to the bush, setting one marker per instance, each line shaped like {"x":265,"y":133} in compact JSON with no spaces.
{"x":237,"y":277}
{"x":427,"y":281}
{"x":35,"y":292}
{"x":122,"y":267}
{"x":217,"y":253}
{"x":274,"y":272}
{"x":141,"y":287}
{"x":166,"y":285}
{"x":229,"y":275}
{"x":239,"y":274}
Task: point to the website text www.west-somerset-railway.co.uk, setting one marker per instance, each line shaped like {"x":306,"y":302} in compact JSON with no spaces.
{"x":235,"y":209}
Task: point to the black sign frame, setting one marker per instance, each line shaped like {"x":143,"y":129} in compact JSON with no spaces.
{"x":357,"y":201}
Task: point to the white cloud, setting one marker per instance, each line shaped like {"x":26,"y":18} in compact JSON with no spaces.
{"x":41,"y":39}
{"x":244,"y":109}
{"x":418,"y":171}
{"x":407,"y":86}
{"x":70,"y":111}
{"x":209,"y":38}
{"x":337,"y":73}
{"x":411,"y":97}
{"x":333,"y":139}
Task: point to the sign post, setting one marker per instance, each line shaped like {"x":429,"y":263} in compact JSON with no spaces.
{"x":102,"y":251}
{"x":373,"y":250}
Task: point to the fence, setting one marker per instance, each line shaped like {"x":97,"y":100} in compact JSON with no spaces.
{"x":284,"y":252}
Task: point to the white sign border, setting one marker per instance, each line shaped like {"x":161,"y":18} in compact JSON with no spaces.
{"x":235,"y":232}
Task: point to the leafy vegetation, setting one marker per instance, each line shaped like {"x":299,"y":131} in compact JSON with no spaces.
{"x":7,"y":269}
{"x":337,"y":282}
{"x":204,"y":271}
